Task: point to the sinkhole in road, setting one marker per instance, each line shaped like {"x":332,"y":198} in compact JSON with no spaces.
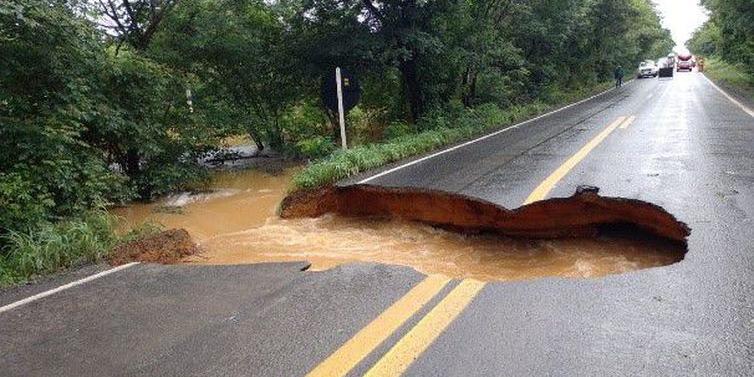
{"x":435,"y":233}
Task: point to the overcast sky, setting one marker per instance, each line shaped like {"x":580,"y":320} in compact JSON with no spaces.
{"x":682,"y":17}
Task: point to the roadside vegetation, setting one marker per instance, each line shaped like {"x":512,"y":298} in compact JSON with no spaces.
{"x":726,"y":41}
{"x":440,"y":130}
{"x":51,"y":246}
{"x":733,"y":77}
{"x":105,"y":102}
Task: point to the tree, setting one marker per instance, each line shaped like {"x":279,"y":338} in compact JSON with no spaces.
{"x":145,"y":126}
{"x":134,"y":21}
{"x":240,"y":51}
{"x":705,"y":40}
{"x":50,"y":58}
{"x":732,"y":30}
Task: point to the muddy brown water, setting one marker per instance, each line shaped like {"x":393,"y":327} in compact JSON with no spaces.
{"x":236,"y":223}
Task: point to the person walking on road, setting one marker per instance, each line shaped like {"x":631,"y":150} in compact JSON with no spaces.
{"x":618,"y":73}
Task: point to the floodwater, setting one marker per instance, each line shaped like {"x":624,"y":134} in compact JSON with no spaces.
{"x":236,"y":223}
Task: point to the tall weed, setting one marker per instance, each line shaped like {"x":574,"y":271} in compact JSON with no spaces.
{"x":52,"y":247}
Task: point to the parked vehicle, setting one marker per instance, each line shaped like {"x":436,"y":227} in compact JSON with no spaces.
{"x":666,"y":66}
{"x":647,"y":68}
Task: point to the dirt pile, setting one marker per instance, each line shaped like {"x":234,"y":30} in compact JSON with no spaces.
{"x":584,"y":214}
{"x":165,"y":247}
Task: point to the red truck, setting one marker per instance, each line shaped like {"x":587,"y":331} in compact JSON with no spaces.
{"x":684,"y":63}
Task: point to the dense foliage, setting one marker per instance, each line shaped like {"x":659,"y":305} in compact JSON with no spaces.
{"x":729,"y":32}
{"x":727,"y":40}
{"x":110,"y":100}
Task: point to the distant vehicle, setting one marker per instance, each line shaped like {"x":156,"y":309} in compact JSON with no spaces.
{"x":647,"y":68}
{"x":684,"y":63}
{"x":670,"y":61}
{"x":666,"y":66}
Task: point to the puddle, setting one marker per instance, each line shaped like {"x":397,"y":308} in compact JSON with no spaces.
{"x":236,"y":223}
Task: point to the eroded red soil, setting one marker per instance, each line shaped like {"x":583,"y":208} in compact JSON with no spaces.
{"x":582,"y":215}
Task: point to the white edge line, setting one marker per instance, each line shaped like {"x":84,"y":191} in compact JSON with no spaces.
{"x":64,"y":287}
{"x":731,"y":99}
{"x":386,"y":172}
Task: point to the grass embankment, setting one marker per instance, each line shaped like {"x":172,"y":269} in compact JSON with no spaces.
{"x":731,"y":76}
{"x":438,"y":131}
{"x":56,"y":246}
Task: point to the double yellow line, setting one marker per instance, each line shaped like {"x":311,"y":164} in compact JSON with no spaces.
{"x":426,"y":331}
{"x":371,"y":336}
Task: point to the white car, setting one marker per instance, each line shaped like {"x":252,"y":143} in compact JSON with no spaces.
{"x":647,"y":68}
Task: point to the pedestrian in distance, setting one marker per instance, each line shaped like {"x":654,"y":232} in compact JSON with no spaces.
{"x":618,"y":73}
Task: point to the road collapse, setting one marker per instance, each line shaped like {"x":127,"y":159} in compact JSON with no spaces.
{"x":241,"y":220}
{"x":585,"y":214}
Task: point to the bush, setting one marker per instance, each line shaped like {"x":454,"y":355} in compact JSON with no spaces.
{"x":21,"y":204}
{"x":305,"y":131}
{"x":315,"y":147}
{"x":397,"y":129}
{"x":365,"y":125}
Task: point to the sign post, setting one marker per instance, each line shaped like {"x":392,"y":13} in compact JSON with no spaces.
{"x":341,"y":112}
{"x":340,"y":94}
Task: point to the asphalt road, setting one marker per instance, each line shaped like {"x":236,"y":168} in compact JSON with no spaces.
{"x":688,"y":149}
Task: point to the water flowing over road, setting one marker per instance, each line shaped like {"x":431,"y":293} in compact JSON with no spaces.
{"x":236,"y":223}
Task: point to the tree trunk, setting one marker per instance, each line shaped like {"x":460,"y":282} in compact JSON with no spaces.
{"x":276,"y":134}
{"x":256,"y":138}
{"x":412,"y":88}
{"x":132,"y":162}
{"x":472,"y":88}
{"x":469,"y":87}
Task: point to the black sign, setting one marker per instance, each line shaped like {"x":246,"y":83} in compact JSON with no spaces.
{"x":351,"y":91}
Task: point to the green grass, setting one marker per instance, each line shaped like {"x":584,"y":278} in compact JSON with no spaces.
{"x":730,"y":76}
{"x":468,"y":124}
{"x":53,"y":247}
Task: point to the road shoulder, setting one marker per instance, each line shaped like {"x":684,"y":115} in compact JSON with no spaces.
{"x":745,"y":97}
{"x":44,"y":283}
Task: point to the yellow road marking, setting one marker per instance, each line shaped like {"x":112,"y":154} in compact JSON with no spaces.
{"x":546,"y":186}
{"x":628,"y":122}
{"x":368,"y":338}
{"x":400,"y":357}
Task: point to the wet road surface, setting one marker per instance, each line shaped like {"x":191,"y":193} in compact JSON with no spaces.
{"x":687,"y":148}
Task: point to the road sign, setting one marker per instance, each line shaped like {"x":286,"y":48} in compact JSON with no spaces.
{"x":351,"y":91}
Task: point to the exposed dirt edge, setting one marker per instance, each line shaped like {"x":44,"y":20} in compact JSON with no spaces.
{"x":166,"y":247}
{"x":581,"y":215}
